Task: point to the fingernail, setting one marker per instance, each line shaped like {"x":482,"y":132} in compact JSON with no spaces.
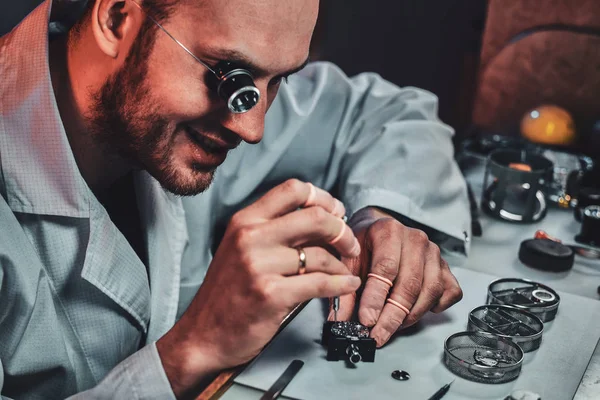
{"x":342,"y":208}
{"x":336,"y":205}
{"x":378,"y":339}
{"x":368,"y":317}
{"x":330,"y":316}
{"x":382,"y":338}
{"x":354,"y":281}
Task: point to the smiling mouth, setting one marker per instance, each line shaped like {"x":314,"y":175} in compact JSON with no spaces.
{"x":210,"y":146}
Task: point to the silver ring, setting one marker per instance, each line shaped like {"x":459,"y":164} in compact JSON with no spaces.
{"x":301,"y":260}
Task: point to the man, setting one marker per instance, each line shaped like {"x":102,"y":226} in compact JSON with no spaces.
{"x":109,"y":285}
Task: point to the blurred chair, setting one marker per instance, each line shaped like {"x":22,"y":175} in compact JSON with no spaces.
{"x":540,"y":52}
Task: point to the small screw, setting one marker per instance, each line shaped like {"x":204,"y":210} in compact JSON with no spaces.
{"x":400,"y":375}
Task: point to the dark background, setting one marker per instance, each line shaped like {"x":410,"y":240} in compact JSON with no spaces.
{"x":431,"y":44}
{"x":12,"y":11}
{"x":423,"y":43}
{"x":465,"y":52}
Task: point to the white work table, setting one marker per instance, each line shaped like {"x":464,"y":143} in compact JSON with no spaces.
{"x":496,"y":253}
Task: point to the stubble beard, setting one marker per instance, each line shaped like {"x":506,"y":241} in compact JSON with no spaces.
{"x":125,"y":121}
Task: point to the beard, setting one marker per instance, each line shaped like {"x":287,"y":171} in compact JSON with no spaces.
{"x":125,"y":120}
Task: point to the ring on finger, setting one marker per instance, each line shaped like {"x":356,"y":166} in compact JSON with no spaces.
{"x":382,"y":279}
{"x":397,"y":304}
{"x":301,"y":260}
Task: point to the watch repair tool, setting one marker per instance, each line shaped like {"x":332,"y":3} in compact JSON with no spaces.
{"x":522,"y":327}
{"x":583,"y":251}
{"x":538,"y":299}
{"x":483,"y":357}
{"x":546,"y":254}
{"x":513,"y":185}
{"x":284,"y":380}
{"x":400,"y":375}
{"x":348,"y":341}
{"x":441,"y":392}
{"x":590,"y":227}
{"x":336,"y":307}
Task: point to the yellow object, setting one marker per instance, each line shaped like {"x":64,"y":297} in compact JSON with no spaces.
{"x":548,"y":124}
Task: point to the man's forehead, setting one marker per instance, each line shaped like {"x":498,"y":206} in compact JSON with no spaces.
{"x":295,"y":14}
{"x":273,"y":35}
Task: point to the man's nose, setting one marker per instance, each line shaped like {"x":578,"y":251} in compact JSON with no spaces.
{"x":249,"y":126}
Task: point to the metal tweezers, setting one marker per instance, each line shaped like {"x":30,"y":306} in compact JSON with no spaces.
{"x":281,"y":383}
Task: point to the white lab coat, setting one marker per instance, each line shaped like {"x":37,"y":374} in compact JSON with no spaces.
{"x":76,"y":303}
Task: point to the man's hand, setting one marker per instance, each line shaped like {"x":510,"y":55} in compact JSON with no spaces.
{"x":421,"y":279}
{"x":252,"y":283}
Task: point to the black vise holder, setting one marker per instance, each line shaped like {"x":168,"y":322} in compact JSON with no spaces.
{"x":348,"y":341}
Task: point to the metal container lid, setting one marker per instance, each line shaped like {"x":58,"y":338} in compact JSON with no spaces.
{"x":483,"y":357}
{"x":524,"y":294}
{"x":522,"y":327}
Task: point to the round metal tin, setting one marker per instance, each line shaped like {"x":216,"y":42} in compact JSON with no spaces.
{"x":524,"y":294}
{"x":522,"y":327}
{"x":483,"y":357}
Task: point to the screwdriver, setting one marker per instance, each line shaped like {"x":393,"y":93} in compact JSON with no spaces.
{"x":336,"y":307}
{"x":336,"y":299}
{"x":442,"y":392}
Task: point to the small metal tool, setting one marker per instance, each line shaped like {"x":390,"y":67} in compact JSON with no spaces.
{"x":442,"y":392}
{"x":282,"y":382}
{"x":336,"y":307}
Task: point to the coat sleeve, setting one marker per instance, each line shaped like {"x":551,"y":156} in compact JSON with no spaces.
{"x":34,"y":355}
{"x":388,"y":149}
{"x":140,"y":376}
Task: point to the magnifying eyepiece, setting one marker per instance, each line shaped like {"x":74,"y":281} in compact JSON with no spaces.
{"x":236,"y":86}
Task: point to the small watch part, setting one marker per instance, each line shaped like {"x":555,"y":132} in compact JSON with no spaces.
{"x":543,"y":295}
{"x":353,"y":353}
{"x":400,"y":375}
{"x":350,"y":329}
{"x":490,"y":358}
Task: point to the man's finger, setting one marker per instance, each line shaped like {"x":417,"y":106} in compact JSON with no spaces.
{"x":299,"y":288}
{"x":432,"y":289}
{"x":387,"y":256}
{"x":348,"y":302}
{"x":452,"y":291}
{"x":286,"y":261}
{"x":289,"y":196}
{"x":407,"y":287}
{"x":312,"y":225}
{"x":390,"y":321}
{"x":346,"y":310}
{"x":407,"y":284}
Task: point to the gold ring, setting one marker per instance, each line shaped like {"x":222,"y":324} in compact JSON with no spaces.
{"x":301,"y":260}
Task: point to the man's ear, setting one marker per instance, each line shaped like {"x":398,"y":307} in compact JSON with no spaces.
{"x":114,"y":24}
